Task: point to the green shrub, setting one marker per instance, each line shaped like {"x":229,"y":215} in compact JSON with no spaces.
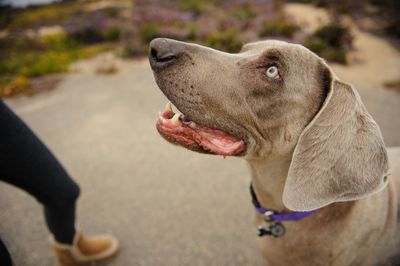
{"x":90,"y":35}
{"x":280,"y":27}
{"x":111,"y":12}
{"x":336,"y":54}
{"x":59,"y":42}
{"x":148,"y":32}
{"x":11,"y":86}
{"x":320,"y":3}
{"x":331,"y":42}
{"x":4,"y":80}
{"x":393,"y":28}
{"x":192,"y":32}
{"x":195,"y":6}
{"x":87,"y":35}
{"x":126,"y":52}
{"x":48,"y":62}
{"x":91,"y":50}
{"x":334,"y":34}
{"x":245,"y":13}
{"x":316,"y":46}
{"x":45,"y":15}
{"x":5,"y":16}
{"x":111,"y":33}
{"x":24,"y":44}
{"x":9,"y":66}
{"x":227,"y":41}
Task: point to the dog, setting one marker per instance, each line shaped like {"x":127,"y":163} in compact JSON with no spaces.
{"x":310,"y":144}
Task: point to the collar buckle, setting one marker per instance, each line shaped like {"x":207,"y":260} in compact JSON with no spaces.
{"x":275,"y":228}
{"x":273,"y":219}
{"x":267,"y":216}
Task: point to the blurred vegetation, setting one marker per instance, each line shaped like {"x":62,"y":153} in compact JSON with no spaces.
{"x":384,"y":12}
{"x":331,"y":41}
{"x":227,"y":25}
{"x":39,"y":40}
{"x":33,"y":58}
{"x":224,"y":25}
{"x":280,"y":27}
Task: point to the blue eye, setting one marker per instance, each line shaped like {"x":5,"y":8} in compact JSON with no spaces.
{"x":272,"y":72}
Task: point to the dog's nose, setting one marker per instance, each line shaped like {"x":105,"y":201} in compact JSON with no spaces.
{"x":162,"y":52}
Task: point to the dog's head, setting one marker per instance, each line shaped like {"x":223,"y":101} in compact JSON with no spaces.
{"x":272,"y":98}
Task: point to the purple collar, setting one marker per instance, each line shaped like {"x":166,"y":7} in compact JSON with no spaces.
{"x":291,"y":216}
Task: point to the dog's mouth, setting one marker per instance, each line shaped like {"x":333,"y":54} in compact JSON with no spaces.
{"x":178,"y":129}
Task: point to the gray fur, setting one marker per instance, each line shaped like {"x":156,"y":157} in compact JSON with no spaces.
{"x":310,"y":144}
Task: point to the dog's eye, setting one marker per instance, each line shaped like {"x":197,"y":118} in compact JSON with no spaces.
{"x":272,"y":72}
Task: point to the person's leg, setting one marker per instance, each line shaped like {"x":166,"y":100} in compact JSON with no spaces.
{"x":61,"y":223}
{"x":5,"y":257}
{"x":26,"y":163}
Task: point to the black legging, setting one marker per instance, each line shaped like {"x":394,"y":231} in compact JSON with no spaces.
{"x":26,"y":163}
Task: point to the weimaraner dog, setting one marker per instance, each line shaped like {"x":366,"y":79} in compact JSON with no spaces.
{"x":317,"y":159}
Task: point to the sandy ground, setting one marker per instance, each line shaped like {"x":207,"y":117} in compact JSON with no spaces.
{"x":167,"y":205}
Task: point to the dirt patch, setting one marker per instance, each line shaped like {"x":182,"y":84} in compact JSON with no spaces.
{"x":44,"y":84}
{"x":105,"y":63}
{"x":393,"y":85}
{"x":307,"y":16}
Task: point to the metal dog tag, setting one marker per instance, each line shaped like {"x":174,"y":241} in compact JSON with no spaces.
{"x":262,"y":231}
{"x":276,"y":229}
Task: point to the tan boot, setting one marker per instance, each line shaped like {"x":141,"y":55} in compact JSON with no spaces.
{"x":85,"y":250}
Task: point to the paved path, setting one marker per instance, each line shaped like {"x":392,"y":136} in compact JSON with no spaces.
{"x":166,"y":205}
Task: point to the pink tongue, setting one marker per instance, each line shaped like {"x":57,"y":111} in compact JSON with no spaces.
{"x":187,"y":132}
{"x":219,"y":142}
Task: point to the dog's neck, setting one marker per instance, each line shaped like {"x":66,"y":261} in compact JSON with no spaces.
{"x":269,"y":176}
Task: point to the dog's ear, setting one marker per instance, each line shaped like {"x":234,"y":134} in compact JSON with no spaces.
{"x":340,"y":155}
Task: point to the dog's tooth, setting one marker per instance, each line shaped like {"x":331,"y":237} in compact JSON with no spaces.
{"x":175,"y":120}
{"x":168,"y":106}
{"x":192,"y":124}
